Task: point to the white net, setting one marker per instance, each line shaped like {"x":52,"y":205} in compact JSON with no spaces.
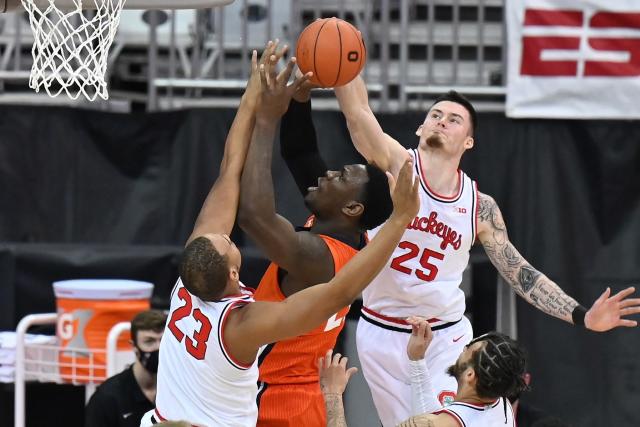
{"x":71,"y":47}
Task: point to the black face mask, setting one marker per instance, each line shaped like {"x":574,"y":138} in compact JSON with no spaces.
{"x":149,"y":360}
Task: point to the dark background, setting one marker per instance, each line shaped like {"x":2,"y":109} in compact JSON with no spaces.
{"x":94,"y":194}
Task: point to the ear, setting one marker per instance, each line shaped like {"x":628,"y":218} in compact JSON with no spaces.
{"x":470,"y":376}
{"x":468,"y":143}
{"x":419,"y":130}
{"x":353,"y":209}
{"x":234,"y":274}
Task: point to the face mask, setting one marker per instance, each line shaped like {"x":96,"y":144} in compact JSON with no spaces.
{"x":149,"y":360}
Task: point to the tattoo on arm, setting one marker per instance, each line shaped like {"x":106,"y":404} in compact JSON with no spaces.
{"x":418,"y":421}
{"x":335,"y":410}
{"x":526,"y":281}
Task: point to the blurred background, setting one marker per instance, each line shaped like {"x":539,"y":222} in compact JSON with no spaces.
{"x":111,"y":189}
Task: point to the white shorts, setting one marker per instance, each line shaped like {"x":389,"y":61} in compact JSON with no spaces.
{"x":385,"y":365}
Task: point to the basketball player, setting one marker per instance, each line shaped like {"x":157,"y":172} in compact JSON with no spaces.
{"x":208,"y":359}
{"x":344,"y":203}
{"x":488,"y":369}
{"x":425,"y":270}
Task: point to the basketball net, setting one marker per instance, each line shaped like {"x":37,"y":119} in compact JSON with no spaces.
{"x":71,"y":48}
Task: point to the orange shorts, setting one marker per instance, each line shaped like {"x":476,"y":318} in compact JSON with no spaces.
{"x":292,"y":405}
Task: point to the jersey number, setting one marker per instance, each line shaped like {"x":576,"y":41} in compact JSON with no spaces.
{"x":200,"y":337}
{"x":430,"y":270}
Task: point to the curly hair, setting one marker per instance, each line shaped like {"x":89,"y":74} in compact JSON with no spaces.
{"x":499,"y":365}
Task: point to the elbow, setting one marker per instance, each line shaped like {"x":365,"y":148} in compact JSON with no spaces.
{"x":246,"y":212}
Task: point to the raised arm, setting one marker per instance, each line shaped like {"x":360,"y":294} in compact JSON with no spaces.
{"x":226,"y":189}
{"x":298,"y":141}
{"x":367,"y":135}
{"x":303,"y":255}
{"x":540,"y":291}
{"x":264,"y":322}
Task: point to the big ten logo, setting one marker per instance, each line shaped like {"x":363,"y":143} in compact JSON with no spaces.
{"x":580,"y":43}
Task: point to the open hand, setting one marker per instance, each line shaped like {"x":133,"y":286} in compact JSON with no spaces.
{"x":276,"y":92}
{"x":406,"y":199}
{"x":608,"y":311}
{"x":334,"y":374}
{"x":253,"y":90}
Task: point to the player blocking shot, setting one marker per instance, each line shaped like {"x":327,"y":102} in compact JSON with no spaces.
{"x":208,"y":365}
{"x":423,"y":275}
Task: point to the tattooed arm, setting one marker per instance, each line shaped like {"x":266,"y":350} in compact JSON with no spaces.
{"x":431,"y":420}
{"x":525,"y":280}
{"x":606,"y":313}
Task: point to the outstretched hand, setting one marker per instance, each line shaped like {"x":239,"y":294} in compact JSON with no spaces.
{"x":254,"y":89}
{"x":406,"y":199}
{"x":608,"y":311}
{"x":421,"y":336}
{"x":334,"y":374}
{"x":276,"y":91}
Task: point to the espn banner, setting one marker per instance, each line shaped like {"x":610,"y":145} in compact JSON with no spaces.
{"x":573,"y":59}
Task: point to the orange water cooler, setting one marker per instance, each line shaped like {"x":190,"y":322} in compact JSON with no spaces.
{"x":87,"y":310}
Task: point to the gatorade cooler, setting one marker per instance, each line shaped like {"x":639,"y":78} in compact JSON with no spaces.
{"x":87,"y":310}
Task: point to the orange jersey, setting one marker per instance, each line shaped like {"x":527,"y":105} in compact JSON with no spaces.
{"x":294,"y":361}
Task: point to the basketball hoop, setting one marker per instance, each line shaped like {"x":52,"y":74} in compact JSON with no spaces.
{"x":72,"y":40}
{"x":71,"y":48}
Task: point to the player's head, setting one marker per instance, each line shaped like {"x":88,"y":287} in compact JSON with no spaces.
{"x":450,"y":124}
{"x":146,"y":333}
{"x":357,"y":193}
{"x":493,"y":365}
{"x":210,"y":267}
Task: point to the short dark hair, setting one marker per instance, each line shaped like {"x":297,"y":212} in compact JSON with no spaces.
{"x":458,"y":98}
{"x":499,"y":365}
{"x":375,"y":198}
{"x":203,"y":270}
{"x":149,"y":320}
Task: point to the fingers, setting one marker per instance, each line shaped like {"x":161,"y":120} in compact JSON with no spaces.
{"x":627,"y":323}
{"x":632,"y":302}
{"x":629,"y":311}
{"x":321,"y":365}
{"x":336,"y":359}
{"x":327,"y":358}
{"x":263,"y":77}
{"x":422,"y":329}
{"x":266,"y":52}
{"x":351,"y":371}
{"x":254,"y":60}
{"x":414,"y":330}
{"x":285,"y":74}
{"x":603,"y":297}
{"x":301,"y":81}
{"x":392,"y":182}
{"x":623,"y":293}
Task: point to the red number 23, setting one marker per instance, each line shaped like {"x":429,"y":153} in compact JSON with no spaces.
{"x":200,"y":337}
{"x":430,"y":270}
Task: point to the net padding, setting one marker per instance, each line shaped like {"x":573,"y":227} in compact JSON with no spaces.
{"x":71,"y":47}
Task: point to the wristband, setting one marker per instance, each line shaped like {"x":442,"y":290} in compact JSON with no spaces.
{"x":577,"y":315}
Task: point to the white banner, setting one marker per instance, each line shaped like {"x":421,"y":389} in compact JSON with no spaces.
{"x":573,"y":59}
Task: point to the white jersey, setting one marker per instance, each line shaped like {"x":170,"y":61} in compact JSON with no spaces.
{"x":423,"y":275}
{"x":198,"y":380}
{"x":499,"y":413}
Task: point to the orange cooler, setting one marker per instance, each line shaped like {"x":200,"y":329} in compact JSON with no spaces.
{"x":87,"y":310}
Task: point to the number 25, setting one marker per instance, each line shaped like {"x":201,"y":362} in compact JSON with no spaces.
{"x":414,"y":250}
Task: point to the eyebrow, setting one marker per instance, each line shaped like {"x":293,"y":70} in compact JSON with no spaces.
{"x":453,"y":114}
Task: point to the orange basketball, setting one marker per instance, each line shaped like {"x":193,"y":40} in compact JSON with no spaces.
{"x":333,"y":49}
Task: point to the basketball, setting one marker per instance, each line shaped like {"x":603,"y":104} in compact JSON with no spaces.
{"x":333,"y":50}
